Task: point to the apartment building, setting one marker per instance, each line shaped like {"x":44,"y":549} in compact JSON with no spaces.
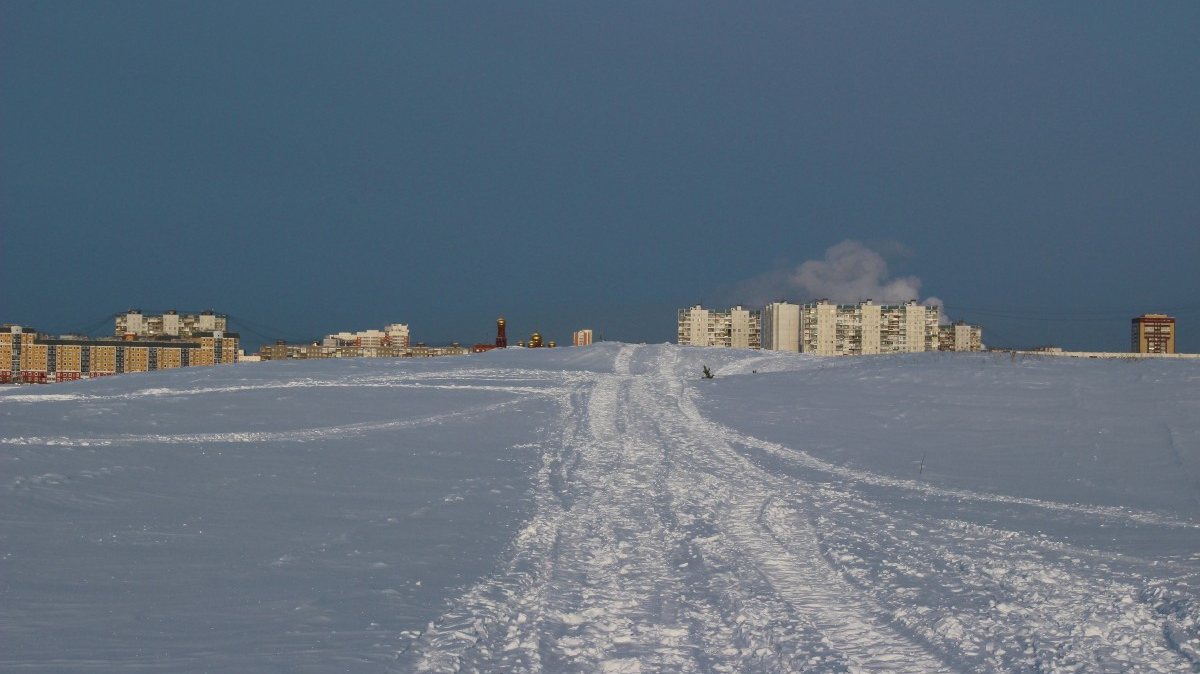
{"x":581,"y":337}
{"x":14,"y":342}
{"x":738,"y":328}
{"x":1153,"y":333}
{"x":781,"y":327}
{"x":828,"y":329}
{"x":32,"y":358}
{"x":168,"y":324}
{"x":960,"y":337}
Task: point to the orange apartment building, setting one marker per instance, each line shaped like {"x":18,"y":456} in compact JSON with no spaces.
{"x":1153,"y":333}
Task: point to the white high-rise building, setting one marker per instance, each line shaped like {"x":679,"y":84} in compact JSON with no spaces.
{"x":738,"y":328}
{"x":131,"y":323}
{"x":207,"y":321}
{"x":694,"y":327}
{"x":818,"y":329}
{"x":745,"y":328}
{"x":866,"y":328}
{"x":781,"y":327}
{"x":168,"y":324}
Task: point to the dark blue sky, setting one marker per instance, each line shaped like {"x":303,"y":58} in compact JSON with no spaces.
{"x":315,"y":167}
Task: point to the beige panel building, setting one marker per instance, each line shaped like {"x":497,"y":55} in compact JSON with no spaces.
{"x":819,"y":330}
{"x":781,"y":327}
{"x":865,"y":328}
{"x":694,"y":327}
{"x":168,"y":324}
{"x":960,"y":337}
{"x":738,"y":328}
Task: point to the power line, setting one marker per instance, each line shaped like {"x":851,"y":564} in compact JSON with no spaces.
{"x":1124,"y":311}
{"x":264,"y":332}
{"x":1060,"y":314}
{"x":95,"y":326}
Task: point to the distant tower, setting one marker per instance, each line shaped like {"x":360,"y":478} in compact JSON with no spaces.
{"x":501,"y":339}
{"x":1153,"y":333}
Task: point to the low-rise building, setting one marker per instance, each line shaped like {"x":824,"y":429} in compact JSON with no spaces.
{"x":396,"y":335}
{"x":423,"y":351}
{"x":391,"y":342}
{"x":281,"y":350}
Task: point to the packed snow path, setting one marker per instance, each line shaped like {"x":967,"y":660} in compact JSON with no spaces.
{"x":664,"y":541}
{"x":606,"y":509}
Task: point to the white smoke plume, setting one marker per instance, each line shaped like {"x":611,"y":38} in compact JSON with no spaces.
{"x":850,"y":272}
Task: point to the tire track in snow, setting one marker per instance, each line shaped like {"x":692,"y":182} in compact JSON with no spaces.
{"x":405,"y":379}
{"x":1034,"y":610}
{"x":660,"y":542}
{"x":591,"y":584}
{"x":298,"y":435}
{"x":785,"y":554}
{"x":653,"y":549}
{"x":807,"y":461}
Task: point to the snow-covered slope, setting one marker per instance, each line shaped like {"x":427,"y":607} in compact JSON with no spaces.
{"x":605,"y":509}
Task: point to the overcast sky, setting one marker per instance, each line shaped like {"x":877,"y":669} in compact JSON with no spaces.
{"x":311,"y":167}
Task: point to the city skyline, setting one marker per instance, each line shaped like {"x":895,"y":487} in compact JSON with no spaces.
{"x":755,"y":334}
{"x":1031,"y":167}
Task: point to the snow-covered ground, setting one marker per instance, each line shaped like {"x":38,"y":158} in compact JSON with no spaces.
{"x":606,"y":509}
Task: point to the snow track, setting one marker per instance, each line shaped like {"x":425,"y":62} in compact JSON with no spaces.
{"x":663,"y":541}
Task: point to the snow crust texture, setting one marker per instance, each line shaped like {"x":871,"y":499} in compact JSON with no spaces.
{"x":604,"y":509}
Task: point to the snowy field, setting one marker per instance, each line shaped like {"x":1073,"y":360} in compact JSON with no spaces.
{"x":604,"y":509}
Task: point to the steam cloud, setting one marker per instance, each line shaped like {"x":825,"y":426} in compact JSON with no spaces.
{"x":850,"y":272}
